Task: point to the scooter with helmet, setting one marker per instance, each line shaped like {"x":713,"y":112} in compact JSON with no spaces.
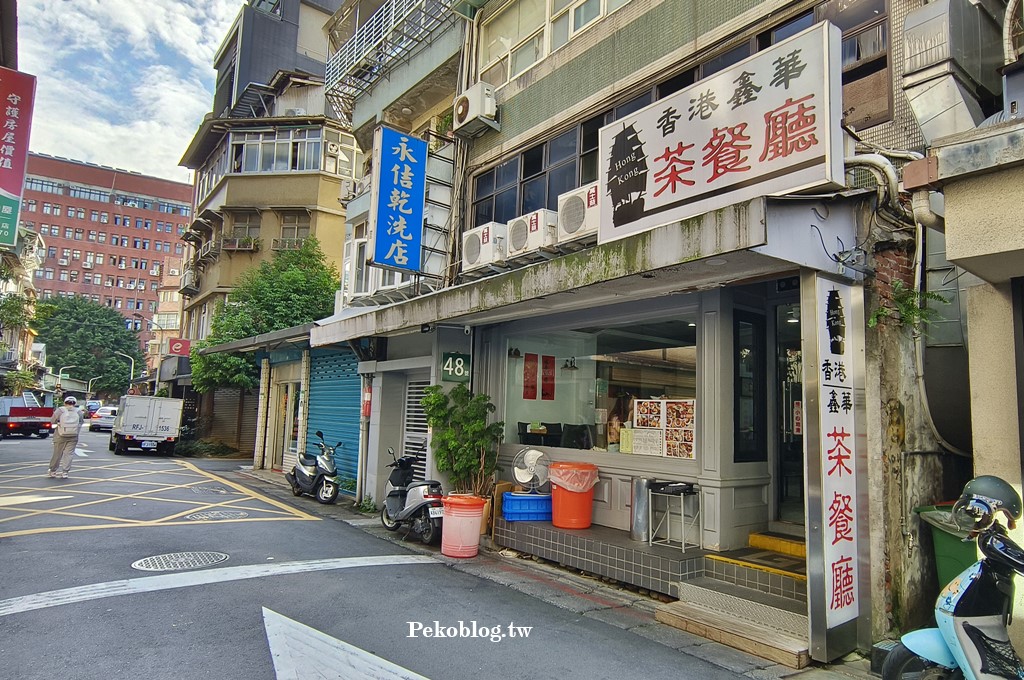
{"x":417,"y":504}
{"x":973,"y":610}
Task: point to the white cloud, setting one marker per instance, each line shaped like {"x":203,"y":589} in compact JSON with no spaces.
{"x":121,"y":82}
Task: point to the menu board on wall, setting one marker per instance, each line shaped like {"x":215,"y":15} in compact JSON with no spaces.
{"x":667,"y":427}
{"x":680,"y":429}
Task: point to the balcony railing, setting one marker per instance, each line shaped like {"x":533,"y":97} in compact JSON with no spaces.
{"x":242,"y":243}
{"x":287,"y":243}
{"x":387,"y":39}
{"x":209,"y":251}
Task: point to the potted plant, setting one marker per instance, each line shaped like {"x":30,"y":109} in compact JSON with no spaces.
{"x":465,"y":444}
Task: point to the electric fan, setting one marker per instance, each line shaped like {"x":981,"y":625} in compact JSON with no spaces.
{"x":530,"y":469}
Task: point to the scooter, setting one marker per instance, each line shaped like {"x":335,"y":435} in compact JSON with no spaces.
{"x":972,"y":611}
{"x":316,"y":475}
{"x":416,"y":504}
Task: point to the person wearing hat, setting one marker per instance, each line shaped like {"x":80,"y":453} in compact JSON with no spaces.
{"x":67,"y":424}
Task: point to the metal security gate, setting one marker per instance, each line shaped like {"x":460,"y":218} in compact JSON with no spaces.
{"x":335,"y":391}
{"x":414,"y":436}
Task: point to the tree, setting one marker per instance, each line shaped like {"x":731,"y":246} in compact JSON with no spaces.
{"x":16,"y":382}
{"x":465,"y":445}
{"x":83,"y":333}
{"x":15,"y":308}
{"x":293,"y":288}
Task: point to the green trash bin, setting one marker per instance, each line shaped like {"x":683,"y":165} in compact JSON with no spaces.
{"x":952,"y":555}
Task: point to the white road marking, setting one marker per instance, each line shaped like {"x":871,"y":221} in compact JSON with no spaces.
{"x":149,"y":584}
{"x":21,"y":500}
{"x":300,"y":653}
{"x":81,"y":453}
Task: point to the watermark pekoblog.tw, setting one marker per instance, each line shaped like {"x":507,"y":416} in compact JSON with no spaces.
{"x":467,"y":629}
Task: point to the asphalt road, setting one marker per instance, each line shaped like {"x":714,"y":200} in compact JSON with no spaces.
{"x":300,"y":591}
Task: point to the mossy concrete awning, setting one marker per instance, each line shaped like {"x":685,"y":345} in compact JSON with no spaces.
{"x":748,"y":241}
{"x":295,"y":337}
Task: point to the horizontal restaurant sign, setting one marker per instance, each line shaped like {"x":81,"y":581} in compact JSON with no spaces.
{"x":768,"y":125}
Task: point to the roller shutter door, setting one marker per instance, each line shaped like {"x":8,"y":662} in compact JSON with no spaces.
{"x":334,"y":404}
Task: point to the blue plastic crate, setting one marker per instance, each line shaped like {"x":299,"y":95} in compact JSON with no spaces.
{"x":518,"y":507}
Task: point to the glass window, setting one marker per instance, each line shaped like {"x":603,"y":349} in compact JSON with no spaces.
{"x":580,"y":388}
{"x":750,"y":389}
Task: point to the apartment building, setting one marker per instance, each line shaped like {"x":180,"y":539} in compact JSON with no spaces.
{"x":628,"y":247}
{"x":106,"y":232}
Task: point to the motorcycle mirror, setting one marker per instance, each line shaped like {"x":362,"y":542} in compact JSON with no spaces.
{"x":391,"y":450}
{"x":339,"y":445}
{"x":320,"y":434}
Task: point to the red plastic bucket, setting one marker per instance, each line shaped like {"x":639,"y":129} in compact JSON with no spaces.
{"x":460,"y":531}
{"x":572,"y":509}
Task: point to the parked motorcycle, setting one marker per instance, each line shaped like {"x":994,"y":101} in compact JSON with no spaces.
{"x":316,"y":475}
{"x":972,"y":611}
{"x":415,"y":504}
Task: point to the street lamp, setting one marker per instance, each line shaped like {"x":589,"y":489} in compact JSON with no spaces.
{"x":60,"y":374}
{"x":88,"y":392}
{"x":159,"y":347}
{"x":132,"y":370}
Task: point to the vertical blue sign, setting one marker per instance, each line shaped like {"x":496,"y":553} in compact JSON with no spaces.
{"x":401,"y":187}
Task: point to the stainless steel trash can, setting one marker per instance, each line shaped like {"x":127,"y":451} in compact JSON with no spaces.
{"x":639,"y":517}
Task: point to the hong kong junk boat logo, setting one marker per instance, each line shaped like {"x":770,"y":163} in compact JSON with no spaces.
{"x":627,"y":177}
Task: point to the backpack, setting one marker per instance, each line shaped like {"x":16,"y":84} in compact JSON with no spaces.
{"x":68,"y":422}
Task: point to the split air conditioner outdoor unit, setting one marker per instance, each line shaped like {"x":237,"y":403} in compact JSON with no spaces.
{"x":579,"y":214}
{"x":483,"y":245}
{"x":62,"y":262}
{"x":532,"y":232}
{"x":475,"y":111}
{"x":87,"y":265}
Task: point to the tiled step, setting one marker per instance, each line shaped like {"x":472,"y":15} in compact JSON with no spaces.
{"x":757,"y":623}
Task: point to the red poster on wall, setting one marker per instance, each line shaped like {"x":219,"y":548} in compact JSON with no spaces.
{"x":547,"y":378}
{"x":529,"y":376}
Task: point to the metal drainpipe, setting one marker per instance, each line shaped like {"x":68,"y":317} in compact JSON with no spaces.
{"x":364,"y":441}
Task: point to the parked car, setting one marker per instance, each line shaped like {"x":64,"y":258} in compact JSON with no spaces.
{"x":103,"y":419}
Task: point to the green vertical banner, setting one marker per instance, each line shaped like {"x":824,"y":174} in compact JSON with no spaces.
{"x":17,"y":96}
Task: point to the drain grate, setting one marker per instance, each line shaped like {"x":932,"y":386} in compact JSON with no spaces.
{"x":208,"y":489}
{"x":208,"y":515}
{"x":179,"y":561}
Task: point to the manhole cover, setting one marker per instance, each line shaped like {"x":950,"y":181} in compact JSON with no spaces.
{"x":216,"y":514}
{"x":179,"y":561}
{"x":209,"y":489}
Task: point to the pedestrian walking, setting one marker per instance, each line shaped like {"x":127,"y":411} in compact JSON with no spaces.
{"x":67,"y":421}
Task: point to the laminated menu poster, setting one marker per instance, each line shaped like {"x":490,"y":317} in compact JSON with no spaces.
{"x":669,"y":426}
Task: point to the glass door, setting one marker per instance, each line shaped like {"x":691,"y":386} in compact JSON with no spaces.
{"x":789,"y":392}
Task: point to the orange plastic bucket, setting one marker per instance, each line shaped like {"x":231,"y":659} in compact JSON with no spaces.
{"x":460,"y":530}
{"x":572,"y":509}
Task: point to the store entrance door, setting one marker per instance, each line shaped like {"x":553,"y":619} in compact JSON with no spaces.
{"x":789,"y":392}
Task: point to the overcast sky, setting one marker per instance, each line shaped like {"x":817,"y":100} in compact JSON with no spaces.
{"x":123,"y":83}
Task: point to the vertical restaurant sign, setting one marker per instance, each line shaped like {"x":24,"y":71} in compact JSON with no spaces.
{"x":18,"y":92}
{"x":838,"y":460}
{"x":768,"y":125}
{"x":397,"y":199}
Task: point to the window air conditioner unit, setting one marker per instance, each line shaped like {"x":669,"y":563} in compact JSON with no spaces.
{"x":483,"y":245}
{"x":62,"y":262}
{"x":87,"y":265}
{"x":122,"y":266}
{"x":475,"y":111}
{"x":579,"y":214}
{"x":531,"y":232}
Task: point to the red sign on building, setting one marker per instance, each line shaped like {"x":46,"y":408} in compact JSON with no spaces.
{"x":17,"y":91}
{"x":179,"y":346}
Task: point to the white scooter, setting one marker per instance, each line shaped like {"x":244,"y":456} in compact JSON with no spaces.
{"x":971,"y":641}
{"x":316,"y":475}
{"x":416,"y":504}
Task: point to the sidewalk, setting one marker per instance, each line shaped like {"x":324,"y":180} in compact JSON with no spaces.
{"x":583,"y":594}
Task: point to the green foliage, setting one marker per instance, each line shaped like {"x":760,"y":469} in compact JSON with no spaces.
{"x":162,"y":392}
{"x":908,"y":307}
{"x":16,"y":382}
{"x":86,"y":334}
{"x":465,"y":446}
{"x":367,"y":505}
{"x":293,"y":288}
{"x":347,"y":484}
{"x":204,"y":448}
{"x":15,"y":311}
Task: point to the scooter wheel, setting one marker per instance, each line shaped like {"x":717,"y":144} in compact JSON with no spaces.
{"x":428,"y":532}
{"x":327,"y":493}
{"x":385,"y":519}
{"x":902,"y":664}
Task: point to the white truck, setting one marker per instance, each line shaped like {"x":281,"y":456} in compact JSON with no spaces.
{"x":146,"y":423}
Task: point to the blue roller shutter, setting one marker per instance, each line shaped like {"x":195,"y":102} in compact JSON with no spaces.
{"x":335,"y":390}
